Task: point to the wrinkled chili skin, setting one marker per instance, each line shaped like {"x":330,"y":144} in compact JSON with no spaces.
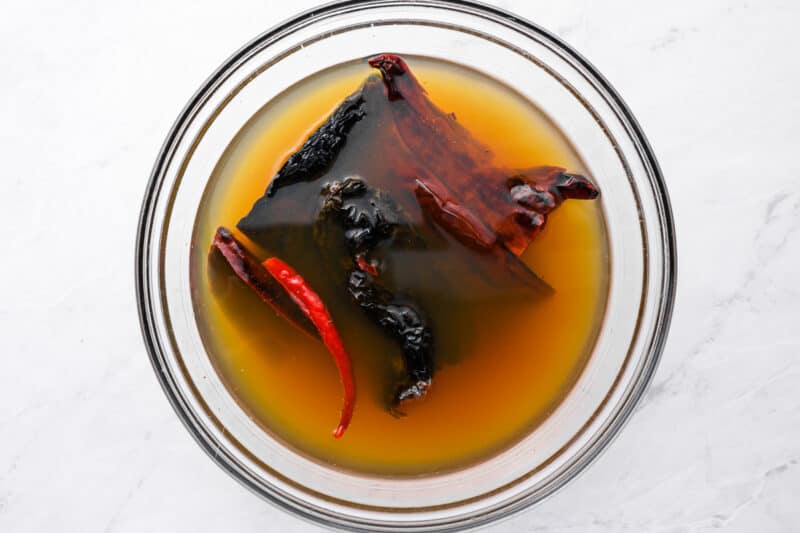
{"x":467,"y":177}
{"x":367,"y":219}
{"x":470,"y":231}
{"x":460,"y":222}
{"x":404,"y":322}
{"x":320,"y":150}
{"x":250,"y":270}
{"x":366,"y":215}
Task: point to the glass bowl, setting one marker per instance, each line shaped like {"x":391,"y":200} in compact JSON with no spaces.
{"x":640,"y":240}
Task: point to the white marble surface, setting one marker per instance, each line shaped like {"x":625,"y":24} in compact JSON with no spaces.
{"x":88,"y":441}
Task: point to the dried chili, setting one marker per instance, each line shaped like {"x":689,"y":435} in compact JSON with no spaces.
{"x":467,"y":176}
{"x":471,"y":232}
{"x":249,"y":269}
{"x":369,"y":218}
{"x":460,"y":222}
{"x":321,"y":149}
{"x":312,"y":306}
{"x":403,"y":321}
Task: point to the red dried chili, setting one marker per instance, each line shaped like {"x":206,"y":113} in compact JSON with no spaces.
{"x":458,"y":174}
{"x":249,"y":269}
{"x":312,"y":306}
{"x":460,"y":222}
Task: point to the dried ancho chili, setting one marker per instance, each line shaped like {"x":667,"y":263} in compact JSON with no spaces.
{"x":387,"y":176}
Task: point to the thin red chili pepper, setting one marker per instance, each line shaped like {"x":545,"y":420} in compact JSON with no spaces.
{"x":312,"y":306}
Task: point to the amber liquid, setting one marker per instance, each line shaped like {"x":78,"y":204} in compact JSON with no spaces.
{"x":509,"y":363}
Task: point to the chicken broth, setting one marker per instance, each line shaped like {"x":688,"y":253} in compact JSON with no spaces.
{"x":508,"y":334}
